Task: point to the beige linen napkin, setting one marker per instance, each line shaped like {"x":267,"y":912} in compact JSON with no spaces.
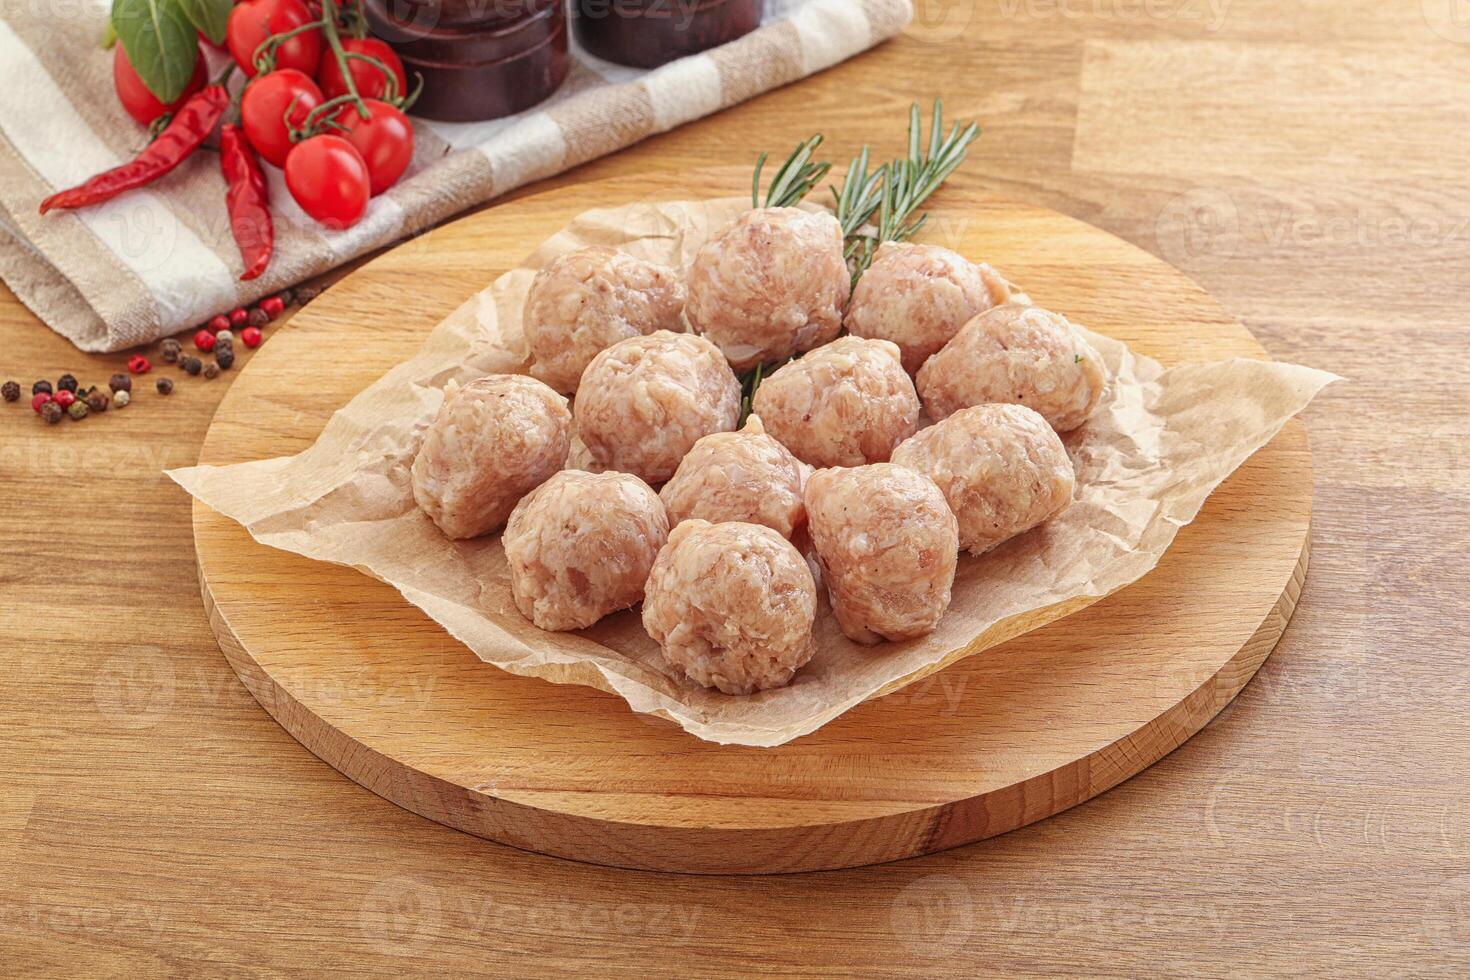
{"x":155,"y":261}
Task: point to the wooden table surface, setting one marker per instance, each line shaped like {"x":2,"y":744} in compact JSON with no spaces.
{"x":1306,"y":162}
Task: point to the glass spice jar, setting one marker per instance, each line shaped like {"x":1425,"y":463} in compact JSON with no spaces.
{"x":649,"y":33}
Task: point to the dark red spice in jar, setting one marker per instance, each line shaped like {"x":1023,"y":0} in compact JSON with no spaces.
{"x":649,"y":33}
{"x":478,"y":60}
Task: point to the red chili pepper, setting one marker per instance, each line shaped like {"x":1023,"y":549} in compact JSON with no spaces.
{"x":191,"y":124}
{"x":247,"y":200}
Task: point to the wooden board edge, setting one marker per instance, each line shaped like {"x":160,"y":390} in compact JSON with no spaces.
{"x":783,"y":850}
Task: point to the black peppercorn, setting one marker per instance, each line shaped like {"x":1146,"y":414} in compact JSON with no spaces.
{"x":259,"y":317}
{"x":77,"y":410}
{"x":67,"y":382}
{"x":41,"y":386}
{"x":164,"y":385}
{"x":224,"y":357}
{"x":285,"y":296}
{"x":305,"y":294}
{"x":191,"y":364}
{"x":121,"y":382}
{"x":170,"y":350}
{"x":10,"y":391}
{"x":97,"y":401}
{"x":51,"y":413}
{"x":211,"y":370}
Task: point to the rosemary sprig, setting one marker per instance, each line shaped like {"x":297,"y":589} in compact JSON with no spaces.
{"x":794,"y":181}
{"x":903,"y":185}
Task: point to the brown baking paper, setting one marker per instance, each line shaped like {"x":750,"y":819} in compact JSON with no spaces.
{"x":1160,"y":443}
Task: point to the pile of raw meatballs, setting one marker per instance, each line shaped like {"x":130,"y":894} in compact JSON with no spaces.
{"x":831,"y":480}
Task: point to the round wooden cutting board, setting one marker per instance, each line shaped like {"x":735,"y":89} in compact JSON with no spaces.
{"x":1011,"y":735}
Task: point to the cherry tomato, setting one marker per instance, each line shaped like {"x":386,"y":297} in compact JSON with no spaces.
{"x":134,"y":95}
{"x":328,"y":178}
{"x":385,"y":140}
{"x":371,"y":82}
{"x":253,"y":21}
{"x":263,"y":110}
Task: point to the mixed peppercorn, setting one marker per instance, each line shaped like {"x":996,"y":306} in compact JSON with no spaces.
{"x":68,"y":397}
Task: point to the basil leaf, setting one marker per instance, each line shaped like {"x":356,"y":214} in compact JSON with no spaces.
{"x":160,"y":44}
{"x":209,"y":16}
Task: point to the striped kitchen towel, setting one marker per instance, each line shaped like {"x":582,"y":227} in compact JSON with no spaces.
{"x":156,"y":261}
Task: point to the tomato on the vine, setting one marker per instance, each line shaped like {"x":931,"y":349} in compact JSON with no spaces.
{"x":252,"y":21}
{"x":328,"y":178}
{"x":140,"y":103}
{"x":371,"y":82}
{"x":385,"y":140}
{"x":263,"y":108}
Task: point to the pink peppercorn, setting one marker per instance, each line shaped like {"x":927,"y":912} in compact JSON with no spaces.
{"x":238,"y":316}
{"x":250,"y":336}
{"x":38,"y":399}
{"x":272,"y":306}
{"x":64,"y":398}
{"x":204,"y":340}
{"x":218,"y":323}
{"x":138,"y":364}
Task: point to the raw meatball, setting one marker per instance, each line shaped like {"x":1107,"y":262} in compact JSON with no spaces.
{"x":917,"y":296}
{"x":1020,"y":355}
{"x":644,"y":402}
{"x":844,"y":404}
{"x":1001,"y":467}
{"x":588,"y":300}
{"x":580,"y":546}
{"x":887,"y":545}
{"x":770,"y":285}
{"x":739,"y":476}
{"x":492,"y":441}
{"x":731,"y":606}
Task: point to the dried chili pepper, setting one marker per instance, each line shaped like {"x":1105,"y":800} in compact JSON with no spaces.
{"x":247,"y":201}
{"x":191,"y":124}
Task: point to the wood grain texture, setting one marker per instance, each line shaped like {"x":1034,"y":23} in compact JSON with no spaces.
{"x":154,"y":820}
{"x":1025,"y":730}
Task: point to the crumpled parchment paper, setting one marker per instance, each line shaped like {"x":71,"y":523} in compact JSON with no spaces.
{"x":1159,"y":445}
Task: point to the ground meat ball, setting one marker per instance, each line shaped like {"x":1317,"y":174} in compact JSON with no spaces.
{"x":1002,"y":469}
{"x":644,"y":402}
{"x":887,"y":545}
{"x":770,"y":285}
{"x":588,"y":300}
{"x":731,"y":606}
{"x":844,"y":404}
{"x":1021,"y":355}
{"x":739,"y":476}
{"x":580,"y":546}
{"x":918,"y":296}
{"x":493,"y":440}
